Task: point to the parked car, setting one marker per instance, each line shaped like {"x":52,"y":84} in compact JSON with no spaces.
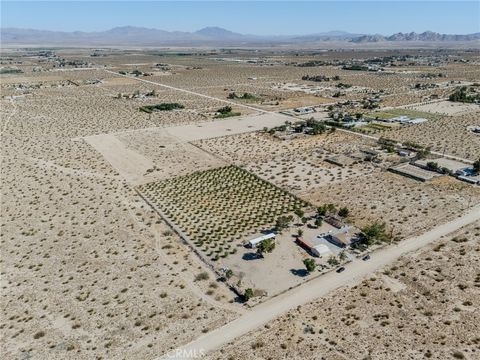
{"x":366,"y":257}
{"x":340,"y":269}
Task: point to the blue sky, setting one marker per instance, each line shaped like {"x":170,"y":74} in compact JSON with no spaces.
{"x":253,"y":17}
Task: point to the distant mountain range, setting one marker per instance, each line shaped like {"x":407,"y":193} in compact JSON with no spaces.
{"x":429,"y":36}
{"x":139,"y":36}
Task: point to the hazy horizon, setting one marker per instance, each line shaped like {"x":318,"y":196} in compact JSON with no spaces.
{"x":265,"y":18}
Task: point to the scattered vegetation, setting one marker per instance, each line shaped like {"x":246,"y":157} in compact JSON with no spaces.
{"x":161,"y":107}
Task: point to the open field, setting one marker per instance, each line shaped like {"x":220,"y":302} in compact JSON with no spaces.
{"x":448,"y":134}
{"x":90,"y":270}
{"x":413,"y":114}
{"x":406,"y":205}
{"x":447,"y":108}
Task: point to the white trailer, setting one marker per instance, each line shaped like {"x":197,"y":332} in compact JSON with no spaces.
{"x":254,"y":242}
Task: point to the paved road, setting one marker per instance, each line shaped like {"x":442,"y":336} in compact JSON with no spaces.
{"x":321,"y":286}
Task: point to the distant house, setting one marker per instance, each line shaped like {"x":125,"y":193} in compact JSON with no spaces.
{"x":254,"y":242}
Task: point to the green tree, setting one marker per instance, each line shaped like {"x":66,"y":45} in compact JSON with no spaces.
{"x":343,"y":212}
{"x":321,"y":211}
{"x":299,"y":212}
{"x":343,"y":255}
{"x":300,"y":232}
{"x":318,"y":222}
{"x":476,"y":166}
{"x":432,"y":165}
{"x":225,"y":110}
{"x":282,"y":223}
{"x":375,"y":232}
{"x":248,"y":294}
{"x":266,"y":246}
{"x":309,"y":265}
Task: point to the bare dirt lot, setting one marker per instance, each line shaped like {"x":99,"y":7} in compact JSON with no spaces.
{"x":406,"y":205}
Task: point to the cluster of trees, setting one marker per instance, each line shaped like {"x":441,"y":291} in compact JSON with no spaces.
{"x":433,"y":166}
{"x":369,"y":104}
{"x":343,"y":86}
{"x":355,"y":67}
{"x":245,"y":96}
{"x":432,"y":75}
{"x":375,"y":233}
{"x":266,"y":246}
{"x":10,"y":71}
{"x":422,"y":151}
{"x":312,"y":63}
{"x":135,"y":72}
{"x":462,"y":95}
{"x":161,"y":107}
{"x":225,"y":112}
{"x":331,"y":209}
{"x":317,"y":127}
{"x":419,"y":86}
{"x":320,"y":78}
{"x":283,"y":222}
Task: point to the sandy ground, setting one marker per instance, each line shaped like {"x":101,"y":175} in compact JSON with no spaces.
{"x":125,"y":155}
{"x":355,"y":273}
{"x":130,"y":164}
{"x":447,"y":108}
{"x":419,"y":307}
{"x":88,"y":270}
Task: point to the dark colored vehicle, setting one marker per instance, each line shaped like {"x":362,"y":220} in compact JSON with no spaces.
{"x":366,"y":257}
{"x":340,"y":269}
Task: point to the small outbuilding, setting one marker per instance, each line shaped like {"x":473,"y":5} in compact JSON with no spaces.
{"x":320,"y":250}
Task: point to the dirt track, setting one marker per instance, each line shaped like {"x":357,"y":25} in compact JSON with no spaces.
{"x":319,"y":287}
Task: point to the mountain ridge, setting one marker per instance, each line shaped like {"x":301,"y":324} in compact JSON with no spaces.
{"x":134,"y":35}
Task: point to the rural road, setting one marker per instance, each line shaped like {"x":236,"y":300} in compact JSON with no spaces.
{"x":321,"y":286}
{"x":286,"y":117}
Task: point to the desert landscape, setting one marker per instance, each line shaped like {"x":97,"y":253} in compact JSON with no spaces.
{"x":255,"y":202}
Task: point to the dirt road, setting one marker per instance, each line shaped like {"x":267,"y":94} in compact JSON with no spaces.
{"x":321,"y":286}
